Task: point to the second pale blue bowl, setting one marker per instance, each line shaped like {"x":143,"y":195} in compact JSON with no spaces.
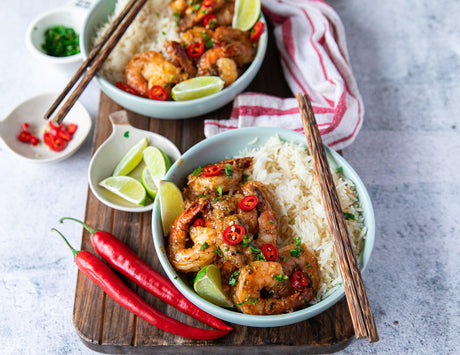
{"x":228,"y":145}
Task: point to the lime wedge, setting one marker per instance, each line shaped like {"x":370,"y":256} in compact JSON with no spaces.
{"x":171,"y":202}
{"x":246,"y":14}
{"x":197,"y":87}
{"x":126,"y":187}
{"x":149,"y":184}
{"x":157,"y":162}
{"x":208,"y":285}
{"x":131,"y":159}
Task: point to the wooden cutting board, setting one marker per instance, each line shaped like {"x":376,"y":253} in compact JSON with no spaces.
{"x":106,"y":327}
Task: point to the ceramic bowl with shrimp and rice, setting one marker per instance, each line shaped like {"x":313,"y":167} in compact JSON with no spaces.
{"x":171,"y":43}
{"x":252,"y":208}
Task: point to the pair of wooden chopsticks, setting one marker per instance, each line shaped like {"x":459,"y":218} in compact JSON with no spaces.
{"x":360,"y":310}
{"x":95,"y":60}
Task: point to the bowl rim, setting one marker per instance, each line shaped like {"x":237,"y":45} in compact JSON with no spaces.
{"x":104,"y":83}
{"x":264,"y":320}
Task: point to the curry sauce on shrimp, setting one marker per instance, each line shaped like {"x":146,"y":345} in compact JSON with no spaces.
{"x":229,"y":222}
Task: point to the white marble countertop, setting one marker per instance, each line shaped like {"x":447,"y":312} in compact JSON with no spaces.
{"x":405,"y":56}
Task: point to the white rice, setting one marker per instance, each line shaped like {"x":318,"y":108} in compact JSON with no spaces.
{"x":287,"y":171}
{"x":154,"y":24}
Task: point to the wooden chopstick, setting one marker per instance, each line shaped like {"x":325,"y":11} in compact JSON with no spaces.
{"x":358,"y":303}
{"x":98,"y":55}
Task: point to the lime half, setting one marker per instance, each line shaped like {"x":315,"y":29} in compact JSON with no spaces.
{"x":171,"y":202}
{"x":208,"y":285}
{"x":126,"y":187}
{"x":197,"y":87}
{"x":246,"y":14}
{"x":131,"y":159}
{"x":157,"y":162}
{"x":149,"y":184}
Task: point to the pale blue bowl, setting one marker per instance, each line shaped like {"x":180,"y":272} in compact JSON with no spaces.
{"x":164,"y":109}
{"x":230,"y":144}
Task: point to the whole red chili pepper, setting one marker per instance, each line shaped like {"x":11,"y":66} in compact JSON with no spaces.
{"x":124,"y":260}
{"x":106,"y":279}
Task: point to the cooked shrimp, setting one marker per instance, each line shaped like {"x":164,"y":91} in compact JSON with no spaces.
{"x":244,"y":49}
{"x":177,"y":55}
{"x":258,"y":287}
{"x":193,"y":15}
{"x":147,"y":69}
{"x":217,"y":62}
{"x":178,"y":6}
{"x":224,"y":15}
{"x":267,"y":223}
{"x":306,"y":262}
{"x":237,"y":255}
{"x":226,"y":181}
{"x":204,"y":241}
{"x":196,"y":34}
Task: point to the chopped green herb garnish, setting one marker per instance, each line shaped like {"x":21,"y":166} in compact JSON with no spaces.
{"x":246,"y":240}
{"x":197,"y":170}
{"x":177,"y":15}
{"x":209,"y":43}
{"x":219,"y":190}
{"x":349,"y":216}
{"x":261,"y":256}
{"x":245,"y":177}
{"x":286,"y":258}
{"x":126,"y":134}
{"x":61,"y":41}
{"x":233,"y":278}
{"x":271,"y":222}
{"x":163,"y":33}
{"x":201,"y":195}
{"x":339,"y":170}
{"x":255,"y":250}
{"x":280,"y":278}
{"x":204,"y":246}
{"x":297,"y":251}
{"x":228,"y":170}
{"x":291,"y":221}
{"x":218,"y":251}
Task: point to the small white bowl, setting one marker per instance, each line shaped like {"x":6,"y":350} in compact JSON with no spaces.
{"x":69,"y":16}
{"x":32,"y":112}
{"x":107,"y":156}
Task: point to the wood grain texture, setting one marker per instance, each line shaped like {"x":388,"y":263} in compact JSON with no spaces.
{"x":358,"y":303}
{"x":103,"y":326}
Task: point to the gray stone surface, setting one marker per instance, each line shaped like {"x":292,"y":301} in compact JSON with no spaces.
{"x":405,"y":56}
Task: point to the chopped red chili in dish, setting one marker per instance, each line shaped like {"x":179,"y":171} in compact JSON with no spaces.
{"x":270,"y":252}
{"x":212,"y":170}
{"x":257,"y":31}
{"x":195,"y":50}
{"x":209,"y":20}
{"x":125,"y":87}
{"x":55,"y":143}
{"x":158,"y":93}
{"x":234,"y":234}
{"x":24,"y":136}
{"x":199,"y":222}
{"x":299,"y":280}
{"x":71,"y":128}
{"x":207,"y":3}
{"x":249,"y":203}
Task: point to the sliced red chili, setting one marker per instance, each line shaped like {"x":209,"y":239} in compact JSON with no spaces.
{"x":64,"y":135}
{"x":71,"y":128}
{"x":209,"y":21}
{"x":270,"y":252}
{"x":212,"y":170}
{"x":25,"y":126}
{"x":52,"y":125}
{"x":125,"y":87}
{"x":257,"y":31}
{"x":195,"y":50}
{"x":249,"y":203}
{"x":34,"y":140}
{"x":299,"y":280}
{"x":234,"y":234}
{"x":158,"y":93}
{"x":199,"y":222}
{"x":207,"y":3}
{"x":24,"y":136}
{"x":55,"y":143}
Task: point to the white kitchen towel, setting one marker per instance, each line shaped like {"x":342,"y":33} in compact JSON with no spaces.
{"x":311,"y":41}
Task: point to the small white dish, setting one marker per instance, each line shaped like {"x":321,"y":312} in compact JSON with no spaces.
{"x":107,"y":156}
{"x":70,"y":15}
{"x":32,"y":112}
